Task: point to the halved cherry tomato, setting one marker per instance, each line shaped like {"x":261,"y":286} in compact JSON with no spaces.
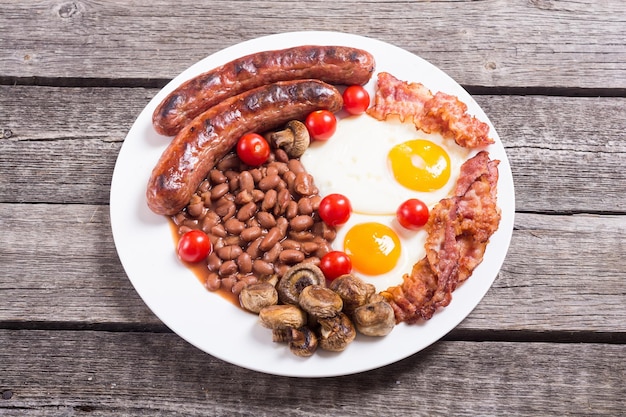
{"x":412,"y":214}
{"x":356,"y":99}
{"x":194,"y":246}
{"x":335,"y":264}
{"x":321,"y":124}
{"x":253,"y":149}
{"x":335,"y":209}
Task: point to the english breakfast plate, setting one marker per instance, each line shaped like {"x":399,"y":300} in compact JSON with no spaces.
{"x":215,"y":325}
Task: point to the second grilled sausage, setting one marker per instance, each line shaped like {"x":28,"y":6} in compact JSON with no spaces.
{"x":332,"y":64}
{"x":195,"y":149}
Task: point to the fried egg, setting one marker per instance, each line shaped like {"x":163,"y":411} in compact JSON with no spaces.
{"x":378,"y":165}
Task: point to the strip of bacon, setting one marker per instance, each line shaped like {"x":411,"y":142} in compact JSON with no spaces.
{"x":440,"y":113}
{"x":458,"y":229}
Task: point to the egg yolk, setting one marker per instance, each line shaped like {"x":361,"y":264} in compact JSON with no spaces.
{"x":373,"y":248}
{"x":420,"y":165}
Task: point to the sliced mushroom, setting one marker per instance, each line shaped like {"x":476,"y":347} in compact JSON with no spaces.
{"x":282,"y":317}
{"x":375,"y":319}
{"x":353,"y":291}
{"x":294,"y":139}
{"x":336,"y":333}
{"x":257,"y":296}
{"x":295,"y":279}
{"x":320,"y":302}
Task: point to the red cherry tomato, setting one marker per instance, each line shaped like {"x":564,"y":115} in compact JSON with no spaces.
{"x":356,"y":99}
{"x":321,"y":124}
{"x":335,"y":264}
{"x":335,"y":209}
{"x":412,"y":214}
{"x":194,"y":246}
{"x":253,"y":149}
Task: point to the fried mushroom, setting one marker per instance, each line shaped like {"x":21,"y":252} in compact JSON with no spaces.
{"x":320,"y":302}
{"x":336,"y":333}
{"x":353,"y":291}
{"x":295,"y":279}
{"x":375,"y":319}
{"x":282,"y":316}
{"x":257,"y":296}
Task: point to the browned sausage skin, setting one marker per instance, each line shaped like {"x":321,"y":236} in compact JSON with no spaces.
{"x":332,"y":64}
{"x":195,"y":150}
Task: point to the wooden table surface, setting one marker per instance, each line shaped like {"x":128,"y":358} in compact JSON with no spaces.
{"x":549,"y":338}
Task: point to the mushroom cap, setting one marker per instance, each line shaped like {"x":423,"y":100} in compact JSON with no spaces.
{"x":282,"y":316}
{"x":336,"y":333}
{"x":295,"y":279}
{"x":375,"y":319}
{"x":303,"y":342}
{"x":257,"y":296}
{"x":353,"y":291}
{"x":320,"y":302}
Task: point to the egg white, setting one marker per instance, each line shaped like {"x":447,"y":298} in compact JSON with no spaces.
{"x":353,"y":162}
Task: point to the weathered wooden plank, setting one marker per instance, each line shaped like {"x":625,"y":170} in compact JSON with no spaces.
{"x":71,"y":372}
{"x":564,"y":44}
{"x":64,"y":142}
{"x":58,"y":259}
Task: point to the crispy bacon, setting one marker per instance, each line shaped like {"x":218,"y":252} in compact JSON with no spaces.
{"x":458,"y":229}
{"x":440,"y":113}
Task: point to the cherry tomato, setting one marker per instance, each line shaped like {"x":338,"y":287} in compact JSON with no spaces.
{"x":356,"y":99}
{"x":321,"y":124}
{"x":194,"y":246}
{"x":335,"y":209}
{"x":412,"y":214}
{"x":253,"y":149}
{"x":335,"y":264}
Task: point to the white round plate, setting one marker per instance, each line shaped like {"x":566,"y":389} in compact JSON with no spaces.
{"x":145,"y":244}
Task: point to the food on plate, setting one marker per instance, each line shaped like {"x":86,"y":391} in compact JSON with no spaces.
{"x":332,"y":64}
{"x":326,"y":227}
{"x":459,"y":229}
{"x":439,"y":113}
{"x":195,"y":149}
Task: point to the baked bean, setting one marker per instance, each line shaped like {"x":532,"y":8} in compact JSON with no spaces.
{"x":229,"y":252}
{"x":196,"y":207}
{"x":271,"y":170}
{"x":249,"y":279}
{"x":213,"y":282}
{"x":305,"y":206}
{"x":234,"y":226}
{"x":283,"y":225}
{"x":292,"y":210}
{"x":304,"y":184}
{"x":226,"y":210}
{"x":219,"y":190}
{"x":183,"y":229}
{"x":244,"y":262}
{"x":315,"y":201}
{"x":233,"y":180}
{"x":252,"y":222}
{"x":257,"y":195}
{"x":214,"y":262}
{"x":301,"y":223}
{"x":281,"y":155}
{"x":216,"y":176}
{"x":256,"y":174}
{"x":282,"y":199}
{"x":218,"y":230}
{"x":269,"y":182}
{"x":228,"y":283}
{"x":313,"y":260}
{"x":309,"y":247}
{"x":247,"y":211}
{"x":269,"y":201}
{"x":281,"y":167}
{"x":227,"y":269}
{"x":272,"y":254}
{"x":291,"y":256}
{"x":230,"y":161}
{"x":303,"y":236}
{"x":272,"y":237}
{"x":322,"y":229}
{"x":219,"y":243}
{"x":291,"y":244}
{"x":266,"y":219}
{"x":296,"y":166}
{"x":246,"y":182}
{"x":204,"y":186}
{"x":250,"y":233}
{"x":239,"y":285}
{"x":261,"y":268}
{"x":244,"y":197}
{"x":232,"y":240}
{"x":281,"y":269}
{"x":211,"y":219}
{"x":253,"y":248}
{"x":322,"y":249}
{"x":290,"y":180}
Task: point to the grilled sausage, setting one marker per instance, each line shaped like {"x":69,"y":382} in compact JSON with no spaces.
{"x":332,"y":64}
{"x":195,"y":150}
